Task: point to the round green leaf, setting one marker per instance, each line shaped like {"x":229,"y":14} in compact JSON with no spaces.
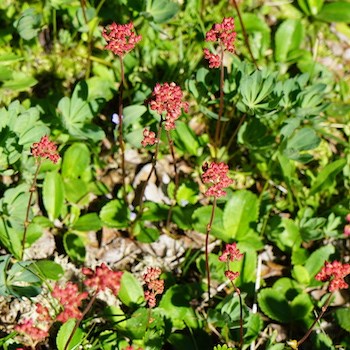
{"x":115,"y":214}
{"x":131,"y":291}
{"x":75,"y":160}
{"x":240,"y":212}
{"x":53,"y":194}
{"x":338,"y":11}
{"x":74,"y":246}
{"x":64,"y":333}
{"x":88,"y":222}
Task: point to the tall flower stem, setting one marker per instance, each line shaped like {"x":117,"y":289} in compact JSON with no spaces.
{"x":176,"y":177}
{"x":31,"y":193}
{"x":120,"y":127}
{"x":221,"y":105}
{"x":77,"y":324}
{"x":207,"y":267}
{"x":245,"y":35}
{"x":153,"y":168}
{"x":240,"y":311}
{"x":323,"y":310}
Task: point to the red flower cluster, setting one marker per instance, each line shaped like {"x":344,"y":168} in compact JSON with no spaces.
{"x":154,"y":284}
{"x":168,"y":98}
{"x":37,"y":331}
{"x":216,"y":173}
{"x":224,"y":34}
{"x":347,"y":227}
{"x":149,"y":138}
{"x":70,"y":299}
{"x":334,"y":272}
{"x":45,"y":149}
{"x":103,"y":278}
{"x":120,"y":38}
{"x":231,"y":253}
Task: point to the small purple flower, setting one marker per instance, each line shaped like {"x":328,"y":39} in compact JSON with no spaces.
{"x":116,"y":119}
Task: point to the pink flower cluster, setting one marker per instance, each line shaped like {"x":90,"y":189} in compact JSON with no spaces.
{"x":120,"y":38}
{"x":155,"y":286}
{"x":70,"y":299}
{"x":103,"y":278}
{"x":36,"y":330}
{"x":231,"y":253}
{"x":45,"y":149}
{"x":168,"y":98}
{"x":149,"y":138}
{"x":224,"y":34}
{"x":216,"y":174}
{"x":347,"y":226}
{"x":334,"y":272}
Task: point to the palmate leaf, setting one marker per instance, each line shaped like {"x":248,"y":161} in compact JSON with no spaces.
{"x":77,"y":112}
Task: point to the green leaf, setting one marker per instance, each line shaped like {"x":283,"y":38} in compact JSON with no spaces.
{"x":316,"y":260}
{"x":137,"y":324}
{"x":132,"y":114}
{"x":301,"y":274}
{"x":74,"y":246}
{"x":240,"y":214}
{"x":146,"y":234}
{"x":53,"y":194}
{"x":274,"y":305}
{"x":201,"y":218}
{"x":301,"y":306}
{"x":64,"y":333}
{"x":175,"y":304}
{"x":75,"y":161}
{"x":47,"y":269}
{"x":115,"y":214}
{"x":326,"y":176}
{"x":131,"y":292}
{"x":342,"y":317}
{"x":163,"y":10}
{"x":302,"y":140}
{"x":185,"y":139}
{"x":338,"y":11}
{"x":88,"y":222}
{"x":28,"y":25}
{"x":253,"y":326}
{"x":75,"y":190}
{"x":289,"y":36}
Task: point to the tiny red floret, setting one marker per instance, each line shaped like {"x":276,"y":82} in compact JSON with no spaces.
{"x":149,"y":138}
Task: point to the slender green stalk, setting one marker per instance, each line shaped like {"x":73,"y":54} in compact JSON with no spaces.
{"x":144,"y":185}
{"x":240,"y":311}
{"x":77,"y":324}
{"x":26,"y":220}
{"x":120,"y":127}
{"x":323,"y":310}
{"x":221,"y":105}
{"x":245,"y":35}
{"x":229,"y":143}
{"x":176,"y":176}
{"x":207,"y":267}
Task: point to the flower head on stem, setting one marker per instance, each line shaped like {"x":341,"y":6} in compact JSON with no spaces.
{"x":335,"y":272}
{"x":168,"y":98}
{"x":45,"y":149}
{"x":70,"y":300}
{"x":102,"y":278}
{"x":224,"y":35}
{"x":154,"y":285}
{"x":120,"y":38}
{"x":216,"y":174}
{"x":149,"y":138}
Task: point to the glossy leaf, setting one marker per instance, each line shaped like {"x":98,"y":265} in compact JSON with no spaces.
{"x":131,"y":291}
{"x":288,"y":37}
{"x":88,"y":222}
{"x":75,"y":161}
{"x":115,"y":214}
{"x":64,"y":333}
{"x":338,"y":11}
{"x":240,"y":214}
{"x":74,"y":247}
{"x":53,"y":194}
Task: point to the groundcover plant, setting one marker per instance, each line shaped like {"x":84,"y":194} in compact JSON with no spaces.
{"x":175,"y":174}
